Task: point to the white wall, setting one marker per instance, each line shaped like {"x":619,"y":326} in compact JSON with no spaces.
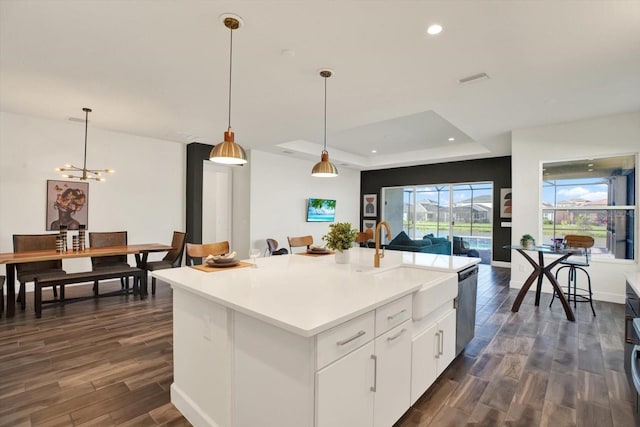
{"x":280,"y":187}
{"x":598,"y":137}
{"x":145,"y":196}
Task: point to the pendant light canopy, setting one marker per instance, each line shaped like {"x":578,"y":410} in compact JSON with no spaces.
{"x":324,"y":168}
{"x":228,"y":152}
{"x":85,"y":174}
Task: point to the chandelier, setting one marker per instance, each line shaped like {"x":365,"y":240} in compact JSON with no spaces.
{"x":74,"y":172}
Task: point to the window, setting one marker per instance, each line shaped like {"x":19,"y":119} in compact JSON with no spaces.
{"x":594,"y":197}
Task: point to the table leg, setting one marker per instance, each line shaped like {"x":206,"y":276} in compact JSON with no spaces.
{"x":536,"y":273}
{"x":11,"y":290}
{"x":558,"y":289}
{"x":540,"y":278}
{"x":539,"y":272}
{"x":141,"y":263}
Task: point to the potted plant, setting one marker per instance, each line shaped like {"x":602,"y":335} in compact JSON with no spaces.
{"x":527,"y":241}
{"x":340,"y":238}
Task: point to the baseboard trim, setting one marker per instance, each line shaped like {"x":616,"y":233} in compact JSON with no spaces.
{"x":502,"y":264}
{"x":189,"y":409}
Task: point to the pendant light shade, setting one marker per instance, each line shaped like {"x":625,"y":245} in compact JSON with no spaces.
{"x":84,"y":174}
{"x":324,"y":168}
{"x":227,"y":151}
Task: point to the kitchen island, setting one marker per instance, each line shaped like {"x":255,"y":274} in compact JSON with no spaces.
{"x":303,"y":341}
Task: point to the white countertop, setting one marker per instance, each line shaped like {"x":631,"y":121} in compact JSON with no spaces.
{"x":633,"y":278}
{"x":307,"y":295}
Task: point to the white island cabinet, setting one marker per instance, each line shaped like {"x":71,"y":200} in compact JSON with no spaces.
{"x":304,"y":342}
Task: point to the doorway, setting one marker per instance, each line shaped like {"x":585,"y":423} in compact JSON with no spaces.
{"x":216,"y":202}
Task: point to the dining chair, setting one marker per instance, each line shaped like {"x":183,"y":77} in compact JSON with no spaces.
{"x":2,"y":278}
{"x":272,"y":248}
{"x":574,"y":264}
{"x":197,"y":250}
{"x":297,"y":242}
{"x":27,"y":272}
{"x":106,"y":239}
{"x":363,"y":237}
{"x":172,"y":259}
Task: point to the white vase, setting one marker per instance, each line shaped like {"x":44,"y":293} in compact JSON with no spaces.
{"x":343,"y":257}
{"x":528,"y":244}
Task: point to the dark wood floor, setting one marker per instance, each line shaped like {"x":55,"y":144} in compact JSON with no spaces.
{"x":532,"y":368}
{"x":109,"y":362}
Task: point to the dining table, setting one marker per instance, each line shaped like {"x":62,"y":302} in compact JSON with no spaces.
{"x":141,"y":252}
{"x":542,"y":270}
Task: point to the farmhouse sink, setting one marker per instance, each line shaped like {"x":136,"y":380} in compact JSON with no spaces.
{"x":437,"y":287}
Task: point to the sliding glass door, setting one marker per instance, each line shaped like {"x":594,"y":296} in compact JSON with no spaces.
{"x":461,"y":213}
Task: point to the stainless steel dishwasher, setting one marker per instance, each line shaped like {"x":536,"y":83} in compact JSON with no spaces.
{"x":466,"y":307}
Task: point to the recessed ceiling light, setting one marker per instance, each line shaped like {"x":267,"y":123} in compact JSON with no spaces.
{"x":590,"y":170}
{"x":374,"y":151}
{"x":590,"y":164}
{"x":451,"y":139}
{"x":434,"y":29}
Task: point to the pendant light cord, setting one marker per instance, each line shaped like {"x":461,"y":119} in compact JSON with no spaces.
{"x":325,"y":114}
{"x":86,"y":125}
{"x":230,"y":66}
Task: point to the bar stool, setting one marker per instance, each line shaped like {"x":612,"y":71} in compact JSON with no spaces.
{"x":575,"y":264}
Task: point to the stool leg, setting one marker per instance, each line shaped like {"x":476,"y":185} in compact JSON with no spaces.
{"x":153,"y":286}
{"x":572,"y":279}
{"x":590,"y":294}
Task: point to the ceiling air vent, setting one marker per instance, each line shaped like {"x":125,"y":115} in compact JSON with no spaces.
{"x":473,"y":78}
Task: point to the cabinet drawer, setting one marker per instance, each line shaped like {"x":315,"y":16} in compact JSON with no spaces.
{"x":344,"y":338}
{"x":392,"y":314}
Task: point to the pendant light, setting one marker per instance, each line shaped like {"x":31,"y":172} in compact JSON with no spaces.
{"x":228,"y":152}
{"x":324,"y":168}
{"x":87,"y":174}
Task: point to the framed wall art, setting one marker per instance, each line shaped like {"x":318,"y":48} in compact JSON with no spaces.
{"x":370,"y":205}
{"x":369,"y":224}
{"x":67,"y":204}
{"x":505,"y":203}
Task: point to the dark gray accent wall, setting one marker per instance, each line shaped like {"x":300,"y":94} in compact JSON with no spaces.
{"x":496,"y":170}
{"x":196,"y":153}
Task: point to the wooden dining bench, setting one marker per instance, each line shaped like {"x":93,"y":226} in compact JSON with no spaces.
{"x":87,"y":276}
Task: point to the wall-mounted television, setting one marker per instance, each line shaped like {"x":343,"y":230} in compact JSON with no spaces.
{"x":321,"y":210}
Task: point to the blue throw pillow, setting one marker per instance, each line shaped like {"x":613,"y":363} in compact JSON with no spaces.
{"x":401,"y":239}
{"x":424,"y":242}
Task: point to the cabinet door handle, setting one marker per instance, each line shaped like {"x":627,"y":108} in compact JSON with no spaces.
{"x":627,"y":321}
{"x":375,"y":373}
{"x":351,"y":338}
{"x":393,"y":316}
{"x":402,"y":331}
{"x":438,"y":352}
{"x":441,"y":342}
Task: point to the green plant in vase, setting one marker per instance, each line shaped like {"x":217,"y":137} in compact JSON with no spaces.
{"x":527,"y":241}
{"x":340,"y":236}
